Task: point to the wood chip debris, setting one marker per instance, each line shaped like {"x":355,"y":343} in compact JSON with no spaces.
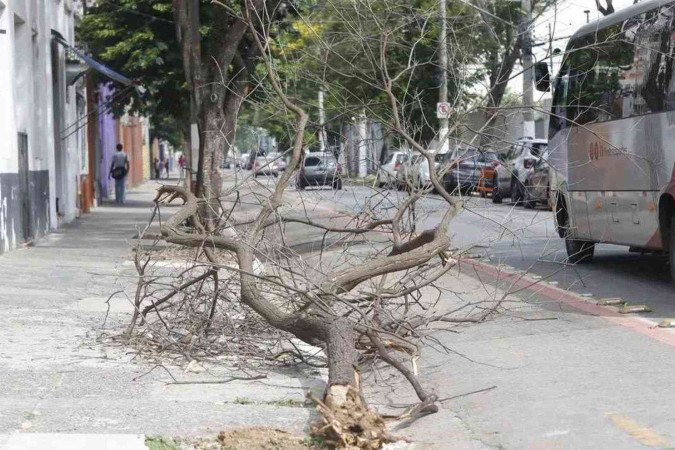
{"x":634,"y":309}
{"x":611,"y":301}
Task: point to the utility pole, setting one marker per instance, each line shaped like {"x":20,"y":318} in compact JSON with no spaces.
{"x":444,"y":122}
{"x":528,"y":68}
{"x":322,"y":121}
{"x":363,"y":144}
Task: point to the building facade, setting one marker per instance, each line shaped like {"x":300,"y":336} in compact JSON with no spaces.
{"x":56,"y":135}
{"x":42,"y":151}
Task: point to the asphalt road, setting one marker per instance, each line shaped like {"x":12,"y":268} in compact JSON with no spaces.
{"x":526,"y":239}
{"x":546,"y":373}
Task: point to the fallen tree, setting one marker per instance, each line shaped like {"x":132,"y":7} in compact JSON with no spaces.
{"x":242,"y":281}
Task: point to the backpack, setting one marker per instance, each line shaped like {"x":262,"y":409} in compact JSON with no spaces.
{"x":119,"y":172}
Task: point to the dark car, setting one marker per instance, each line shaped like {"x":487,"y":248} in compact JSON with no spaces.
{"x":465,"y":168}
{"x":319,"y":169}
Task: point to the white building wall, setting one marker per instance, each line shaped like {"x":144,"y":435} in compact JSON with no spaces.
{"x":27,"y":106}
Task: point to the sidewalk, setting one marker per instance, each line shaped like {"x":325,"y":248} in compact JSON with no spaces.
{"x":56,"y":377}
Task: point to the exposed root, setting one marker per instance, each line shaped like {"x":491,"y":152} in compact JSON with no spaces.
{"x":347,"y":423}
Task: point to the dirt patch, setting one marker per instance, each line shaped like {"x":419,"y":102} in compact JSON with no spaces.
{"x":252,"y":438}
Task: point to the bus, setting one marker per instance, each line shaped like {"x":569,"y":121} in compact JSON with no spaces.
{"x":612,"y":133}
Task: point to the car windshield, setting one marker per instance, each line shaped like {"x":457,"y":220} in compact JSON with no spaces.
{"x":312,"y":161}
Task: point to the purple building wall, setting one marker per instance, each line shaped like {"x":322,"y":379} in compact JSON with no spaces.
{"x":107,"y":136}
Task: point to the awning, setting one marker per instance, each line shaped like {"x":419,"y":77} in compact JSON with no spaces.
{"x":91,"y":62}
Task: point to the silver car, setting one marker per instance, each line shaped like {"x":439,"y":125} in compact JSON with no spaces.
{"x":519,"y":163}
{"x":386,"y":175}
{"x":264,"y":165}
{"x":319,"y":169}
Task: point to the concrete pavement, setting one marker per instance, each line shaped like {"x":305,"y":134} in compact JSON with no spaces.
{"x":541,"y":374}
{"x":57,"y":376}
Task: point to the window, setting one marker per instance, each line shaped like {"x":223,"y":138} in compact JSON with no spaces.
{"x":621,"y":71}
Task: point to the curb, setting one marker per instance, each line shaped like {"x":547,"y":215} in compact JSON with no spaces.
{"x":638,"y":324}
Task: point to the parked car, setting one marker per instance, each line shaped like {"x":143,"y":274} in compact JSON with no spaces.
{"x":263,"y":165}
{"x":511,"y":176}
{"x":425,"y":175}
{"x":278,"y":161}
{"x":319,"y":169}
{"x":242,"y":160}
{"x":408,"y":173}
{"x":537,"y":186}
{"x":386,"y":175}
{"x":486,"y":180}
{"x":466,"y":168}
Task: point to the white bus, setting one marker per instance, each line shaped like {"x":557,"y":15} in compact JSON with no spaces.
{"x":612,"y":133}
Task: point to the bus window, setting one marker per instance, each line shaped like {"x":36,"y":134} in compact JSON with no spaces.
{"x":619,"y":71}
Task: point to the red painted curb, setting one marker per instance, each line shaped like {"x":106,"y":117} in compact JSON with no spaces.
{"x":638,"y":324}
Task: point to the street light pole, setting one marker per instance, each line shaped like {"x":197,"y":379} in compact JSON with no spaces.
{"x":444,"y":123}
{"x":528,"y":69}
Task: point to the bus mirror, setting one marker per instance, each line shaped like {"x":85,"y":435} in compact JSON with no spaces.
{"x":542,"y":76}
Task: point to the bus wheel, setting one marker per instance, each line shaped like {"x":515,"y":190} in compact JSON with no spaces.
{"x":579,"y":251}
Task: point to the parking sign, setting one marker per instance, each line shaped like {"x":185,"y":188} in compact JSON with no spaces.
{"x":443,"y":110}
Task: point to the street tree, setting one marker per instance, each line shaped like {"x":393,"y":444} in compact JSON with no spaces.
{"x":137,"y":38}
{"x":243,"y":284}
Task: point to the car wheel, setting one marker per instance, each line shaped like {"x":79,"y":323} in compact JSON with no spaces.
{"x":496,"y":196}
{"x":528,"y":202}
{"x":516,"y":193}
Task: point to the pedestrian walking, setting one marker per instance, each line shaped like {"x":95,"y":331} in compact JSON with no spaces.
{"x":119,"y":168}
{"x":166,"y":166}
{"x":181,"y":165}
{"x":156,"y":168}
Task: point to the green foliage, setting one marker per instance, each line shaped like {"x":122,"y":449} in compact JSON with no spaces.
{"x":160,"y":443}
{"x":137,"y":38}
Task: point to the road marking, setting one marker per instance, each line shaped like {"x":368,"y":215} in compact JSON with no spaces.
{"x":644,"y":435}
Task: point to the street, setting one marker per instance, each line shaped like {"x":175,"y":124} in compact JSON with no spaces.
{"x":546,"y":375}
{"x":543,"y":373}
{"x":527,"y":240}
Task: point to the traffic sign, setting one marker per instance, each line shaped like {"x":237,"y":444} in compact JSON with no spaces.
{"x":444,"y":110}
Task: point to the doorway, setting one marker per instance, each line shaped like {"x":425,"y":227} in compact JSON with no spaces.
{"x":24,"y":189}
